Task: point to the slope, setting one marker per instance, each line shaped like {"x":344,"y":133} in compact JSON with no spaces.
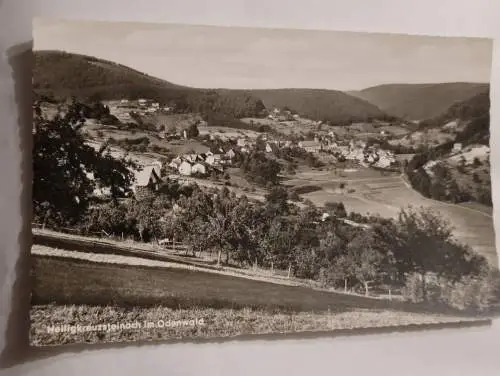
{"x":419,"y":101}
{"x":62,"y":74}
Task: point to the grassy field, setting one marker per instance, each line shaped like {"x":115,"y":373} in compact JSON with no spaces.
{"x":368,"y":191}
{"x":163,"y":323}
{"x":69,"y":292}
{"x":227,"y":132}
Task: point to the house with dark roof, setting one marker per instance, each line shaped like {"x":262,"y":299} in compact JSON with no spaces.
{"x":147,"y":181}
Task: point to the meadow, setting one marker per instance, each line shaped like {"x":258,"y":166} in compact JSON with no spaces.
{"x":70,"y":291}
{"x":367,"y":191}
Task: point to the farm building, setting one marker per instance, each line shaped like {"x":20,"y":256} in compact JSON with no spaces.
{"x":147,"y":181}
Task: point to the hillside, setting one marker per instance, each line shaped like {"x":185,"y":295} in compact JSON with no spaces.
{"x":450,"y":174}
{"x":419,"y":101}
{"x":62,"y":74}
{"x":326,"y":105}
{"x":469,"y":120}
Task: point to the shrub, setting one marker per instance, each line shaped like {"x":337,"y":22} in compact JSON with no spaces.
{"x":412,"y":290}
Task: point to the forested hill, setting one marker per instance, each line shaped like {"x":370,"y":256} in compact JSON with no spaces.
{"x":327,"y":105}
{"x":60,"y":74}
{"x":474,"y":112}
{"x":419,"y":101}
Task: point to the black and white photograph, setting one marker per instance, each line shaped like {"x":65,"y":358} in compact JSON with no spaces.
{"x":209,"y":182}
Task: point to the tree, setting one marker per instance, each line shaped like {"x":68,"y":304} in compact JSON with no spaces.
{"x":224,"y":222}
{"x":427,"y":246}
{"x":277,"y":201}
{"x":363,"y":259}
{"x":192,"y":131}
{"x":66,"y":170}
{"x":336,"y":208}
{"x":261,"y":169}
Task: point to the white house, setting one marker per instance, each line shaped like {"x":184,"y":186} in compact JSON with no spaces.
{"x":146,"y":181}
{"x":198,"y":168}
{"x":271,"y":147}
{"x":213,"y":160}
{"x":384,"y":162}
{"x":457,"y":147}
{"x":310,"y":146}
{"x":185,"y":168}
{"x":241,"y":142}
{"x":230,"y":154}
{"x":157,"y":165}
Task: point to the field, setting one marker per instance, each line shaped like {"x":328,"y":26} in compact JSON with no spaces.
{"x":385,"y":195}
{"x":227,"y":132}
{"x":304,"y":126}
{"x":69,"y":291}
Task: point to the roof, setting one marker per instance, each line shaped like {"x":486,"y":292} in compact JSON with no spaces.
{"x":142,"y":177}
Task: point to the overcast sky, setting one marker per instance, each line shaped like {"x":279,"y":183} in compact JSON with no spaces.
{"x":216,"y":57}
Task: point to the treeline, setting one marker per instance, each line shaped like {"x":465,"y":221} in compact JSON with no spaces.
{"x":218,"y":119}
{"x":330,"y":106}
{"x":61,"y":75}
{"x":278,"y":235}
{"x":442,"y":185}
{"x":472,"y":108}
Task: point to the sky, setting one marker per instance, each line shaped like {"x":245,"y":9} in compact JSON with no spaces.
{"x":252,"y":58}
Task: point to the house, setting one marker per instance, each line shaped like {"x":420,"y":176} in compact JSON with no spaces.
{"x":175,"y":163}
{"x":230,"y":154}
{"x":311,"y":146}
{"x":384,"y":162}
{"x":272,"y":147}
{"x":241,"y":142}
{"x":157,"y":165}
{"x":147,"y":181}
{"x":213,"y":159}
{"x":185,"y":169}
{"x":155,"y":105}
{"x":142,"y":102}
{"x":198,"y":168}
{"x":457,"y":147}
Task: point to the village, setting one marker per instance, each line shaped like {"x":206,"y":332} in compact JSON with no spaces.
{"x":326,"y":145}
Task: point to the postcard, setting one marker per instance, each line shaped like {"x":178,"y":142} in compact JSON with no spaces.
{"x":199,"y":182}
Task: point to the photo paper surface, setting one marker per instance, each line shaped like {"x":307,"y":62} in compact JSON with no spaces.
{"x":196,"y":182}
